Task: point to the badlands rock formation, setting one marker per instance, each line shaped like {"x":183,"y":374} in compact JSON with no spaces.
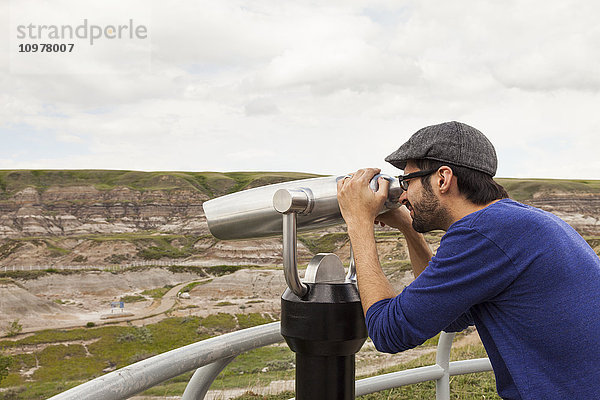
{"x":57,"y":218}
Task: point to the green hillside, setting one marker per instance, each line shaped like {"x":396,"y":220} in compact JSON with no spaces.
{"x":211,"y":183}
{"x":523,"y":189}
{"x":218,"y":183}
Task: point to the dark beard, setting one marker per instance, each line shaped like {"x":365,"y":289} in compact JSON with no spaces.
{"x":428,"y":215}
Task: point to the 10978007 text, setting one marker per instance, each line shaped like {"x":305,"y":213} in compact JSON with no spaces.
{"x":46,"y":48}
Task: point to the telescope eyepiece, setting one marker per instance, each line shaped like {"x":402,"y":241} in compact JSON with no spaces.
{"x":394,"y":190}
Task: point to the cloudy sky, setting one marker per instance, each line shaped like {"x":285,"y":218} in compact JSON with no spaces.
{"x":313,"y":86}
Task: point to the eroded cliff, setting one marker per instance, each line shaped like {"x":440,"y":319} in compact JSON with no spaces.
{"x":56,"y":218}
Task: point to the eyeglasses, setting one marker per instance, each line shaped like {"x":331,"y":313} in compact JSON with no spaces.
{"x":405,"y":178}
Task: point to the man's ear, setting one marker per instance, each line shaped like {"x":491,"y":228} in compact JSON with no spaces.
{"x":444,"y":178}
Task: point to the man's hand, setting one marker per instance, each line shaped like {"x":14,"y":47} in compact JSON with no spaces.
{"x":358,"y":203}
{"x":398,"y":218}
{"x":360,"y":206}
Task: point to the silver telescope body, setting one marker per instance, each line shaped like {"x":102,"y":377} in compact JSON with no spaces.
{"x":256,"y":212}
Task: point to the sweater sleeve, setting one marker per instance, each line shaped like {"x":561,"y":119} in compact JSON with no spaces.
{"x":461,"y":323}
{"x":468,"y":269}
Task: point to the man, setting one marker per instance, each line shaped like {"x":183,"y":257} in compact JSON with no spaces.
{"x":525,"y":278}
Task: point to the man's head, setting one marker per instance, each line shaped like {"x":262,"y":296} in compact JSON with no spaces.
{"x":425,"y":208}
{"x":450,"y":142}
{"x":461,"y":162}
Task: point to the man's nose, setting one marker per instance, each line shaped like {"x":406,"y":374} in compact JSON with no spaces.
{"x":403,"y":197}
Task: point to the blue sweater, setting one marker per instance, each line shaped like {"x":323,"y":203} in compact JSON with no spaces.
{"x":529,"y":283}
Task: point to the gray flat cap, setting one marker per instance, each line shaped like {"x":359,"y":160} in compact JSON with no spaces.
{"x":452,"y":142}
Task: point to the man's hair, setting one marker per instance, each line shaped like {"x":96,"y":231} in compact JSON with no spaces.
{"x":479,"y":187}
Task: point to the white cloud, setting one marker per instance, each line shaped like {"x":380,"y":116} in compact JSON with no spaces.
{"x":261,"y":106}
{"x":67,"y":138}
{"x":327,"y":87}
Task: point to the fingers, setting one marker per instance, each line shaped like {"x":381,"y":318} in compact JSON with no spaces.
{"x":366,"y":173}
{"x":361,"y":178}
{"x":384,"y":185}
{"x":341,"y":182}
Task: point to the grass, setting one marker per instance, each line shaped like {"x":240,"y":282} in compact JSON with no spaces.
{"x":55,"y":250}
{"x":132,"y":236}
{"x":258,"y":367}
{"x":247,"y":180}
{"x":100,"y":179}
{"x":252,"y":319}
{"x":245,"y":371}
{"x":157,"y":293}
{"x":9,"y":247}
{"x":34,"y":274}
{"x":69,"y":357}
{"x":217,"y":270}
{"x":210,"y":183}
{"x":594,"y":243}
{"x":192,"y":285}
{"x":220,"y":270}
{"x":158,"y":252}
{"x":220,"y":321}
{"x":394,"y":266}
{"x":132,"y":298}
{"x":465,"y":387}
{"x":524,"y":189}
{"x":157,"y":247}
{"x":150,"y":246}
{"x":327,"y":243}
{"x":8,"y":281}
{"x":249,"y":395}
{"x":217,"y":183}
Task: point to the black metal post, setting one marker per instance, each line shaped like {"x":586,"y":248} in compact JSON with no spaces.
{"x":325,"y":328}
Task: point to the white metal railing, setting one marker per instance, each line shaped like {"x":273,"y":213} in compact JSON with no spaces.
{"x":210,"y":356}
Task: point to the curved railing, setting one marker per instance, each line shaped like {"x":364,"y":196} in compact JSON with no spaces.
{"x":210,"y":356}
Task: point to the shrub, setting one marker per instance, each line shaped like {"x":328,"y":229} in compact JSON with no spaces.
{"x":219,"y":270}
{"x":126,"y":337}
{"x":221,"y":321}
{"x":140,"y":357}
{"x":327,"y":243}
{"x":280,"y":365}
{"x":132,"y":299}
{"x":165,"y":250}
{"x":192,"y":285}
{"x":157,"y":293}
{"x":116,"y":258}
{"x":141,"y":334}
{"x":5,"y":363}
{"x":14,"y":328}
{"x":252,"y":319}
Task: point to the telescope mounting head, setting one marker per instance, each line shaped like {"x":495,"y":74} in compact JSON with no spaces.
{"x":301,"y":201}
